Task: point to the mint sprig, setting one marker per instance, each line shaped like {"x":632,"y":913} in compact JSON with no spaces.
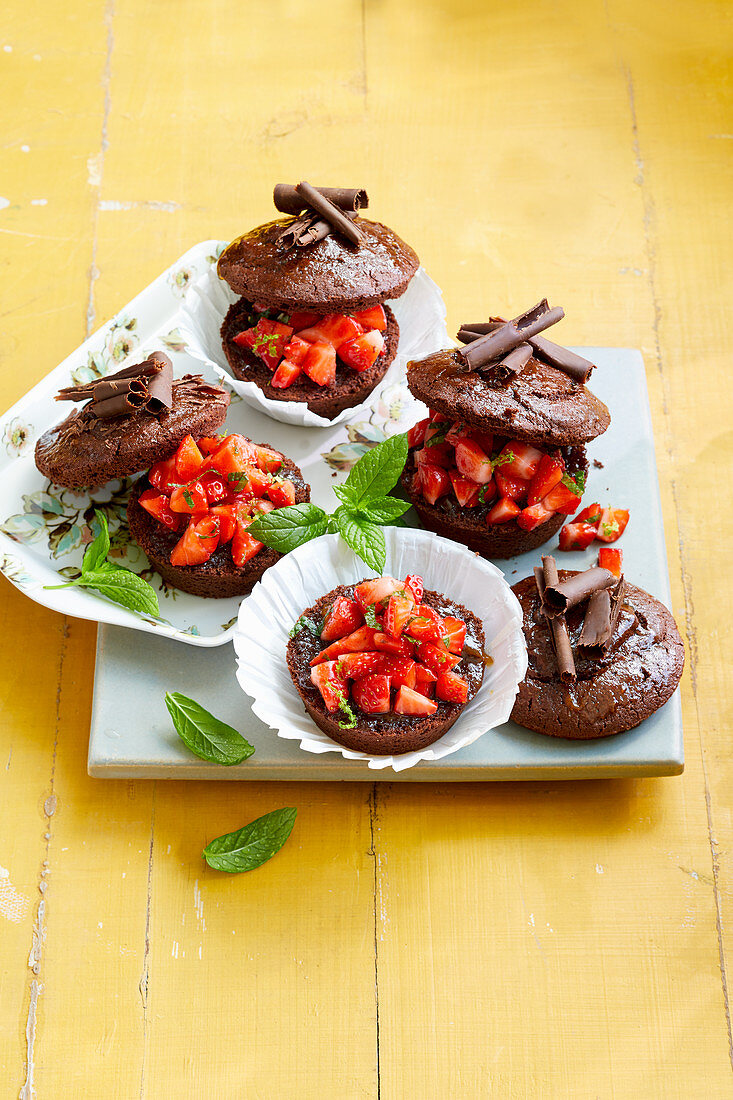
{"x":206,"y":736}
{"x":112,"y":581}
{"x":365,"y":508}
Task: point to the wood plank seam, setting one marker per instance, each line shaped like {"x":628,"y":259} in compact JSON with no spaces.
{"x":373,"y":814}
{"x":144,"y":984}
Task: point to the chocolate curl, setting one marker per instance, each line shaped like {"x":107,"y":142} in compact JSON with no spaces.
{"x":147,"y":385}
{"x":575,"y":366}
{"x":468,"y":333}
{"x":559,"y":598}
{"x":511,"y":365}
{"x":160,"y":386}
{"x":307,"y":230}
{"x":288,"y":201}
{"x":600,"y":621}
{"x":329,"y":212}
{"x":508,"y":336}
{"x":558,"y":627}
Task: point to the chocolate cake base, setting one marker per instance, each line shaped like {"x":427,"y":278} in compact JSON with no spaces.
{"x":350,"y":387}
{"x":637,"y":675}
{"x":469,"y":526}
{"x":218,"y":577}
{"x":382,"y":734}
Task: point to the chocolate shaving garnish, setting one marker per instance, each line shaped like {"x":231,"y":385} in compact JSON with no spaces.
{"x":307,"y":230}
{"x":330,"y":212}
{"x":575,"y":366}
{"x":600,"y":621}
{"x":147,"y":385}
{"x":559,"y":598}
{"x":508,"y":336}
{"x":558,"y":627}
{"x":510,"y":366}
{"x":288,"y":200}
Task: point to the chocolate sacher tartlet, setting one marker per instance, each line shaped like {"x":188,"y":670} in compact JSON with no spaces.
{"x":603,"y":656}
{"x":384,"y":667}
{"x":131,"y":419}
{"x":500,"y":461}
{"x":190,"y":512}
{"x":312,"y":324}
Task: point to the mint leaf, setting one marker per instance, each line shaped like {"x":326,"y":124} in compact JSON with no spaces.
{"x":121,"y":586}
{"x":501,"y":460}
{"x":304,"y":623}
{"x":344,"y":706}
{"x":370,"y":617}
{"x":384,"y":510}
{"x":285,"y":528}
{"x":575,"y":483}
{"x":204,"y":734}
{"x":252,"y":845}
{"x":96,"y":552}
{"x":365,"y":539}
{"x":376,"y":472}
{"x":343,"y":493}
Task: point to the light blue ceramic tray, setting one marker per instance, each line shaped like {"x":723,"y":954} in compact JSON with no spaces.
{"x":131,"y":733}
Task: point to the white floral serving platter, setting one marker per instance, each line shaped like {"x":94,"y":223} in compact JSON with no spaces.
{"x":44,"y":529}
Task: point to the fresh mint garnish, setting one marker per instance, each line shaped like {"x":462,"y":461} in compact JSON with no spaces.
{"x":304,"y":623}
{"x":253,"y":844}
{"x":285,"y":528}
{"x":366,"y":539}
{"x":501,"y":460}
{"x":112,"y":581}
{"x":206,"y":736}
{"x":575,"y":483}
{"x":345,"y":707}
{"x":370,"y":617}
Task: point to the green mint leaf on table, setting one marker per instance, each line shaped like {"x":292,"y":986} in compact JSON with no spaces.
{"x":96,"y":552}
{"x":205,"y":735}
{"x":384,"y":510}
{"x":285,"y":528}
{"x":252,"y":845}
{"x":365,"y":539}
{"x":376,"y":472}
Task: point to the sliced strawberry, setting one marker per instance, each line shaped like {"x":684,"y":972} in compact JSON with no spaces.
{"x":414,"y":587}
{"x":352,"y":666}
{"x":320,"y":364}
{"x":199,"y":542}
{"x":209,"y":443}
{"x":250,"y":481}
{"x":611,"y":559}
{"x":534,"y":516}
{"x":296,"y":351}
{"x":435,"y":454}
{"x":281,"y":492}
{"x":270,"y":339}
{"x":244,"y":545}
{"x":399,"y":609}
{"x":189,"y":498}
{"x":362,"y":352}
{"x":416,"y":434}
{"x":395,"y":647}
{"x":332,"y":688}
{"x":612,"y":524}
{"x":361,"y":641}
{"x":576,"y":536}
{"x":267,"y":460}
{"x":439,"y":418}
{"x":425,"y":681}
{"x":246,"y":338}
{"x":232,"y":456}
{"x":216,"y":489}
{"x":157,"y":505}
{"x":436,"y":427}
{"x":401,"y":670}
{"x":509,"y":486}
{"x":408,"y":701}
{"x":547,"y":475}
{"x":375,"y":591}
{"x":485,"y":440}
{"x":561,"y":499}
{"x":524,"y":459}
{"x":189,"y":459}
{"x":590,"y":515}
{"x":263,"y":506}
{"x":451,"y":688}
{"x":374,"y":317}
{"x":503,"y":511}
{"x":457,"y":432}
{"x":473,"y":462}
{"x":163,"y":476}
{"x":227,"y":516}
{"x":434,"y":483}
{"x":286,"y":373}
{"x":335,"y":329}
{"x":371,"y":694}
{"x":342,"y":618}
{"x":436,"y":657}
{"x":427,"y":626}
{"x":454,"y":633}
{"x":466,"y":491}
{"x":487,"y":492}
{"x":300,"y":320}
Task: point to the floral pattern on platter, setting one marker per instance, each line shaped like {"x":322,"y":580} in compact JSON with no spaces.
{"x":17,"y":437}
{"x":120,"y":341}
{"x":66,"y":519}
{"x":13,"y":569}
{"x":394,"y":411}
{"x":180,"y":280}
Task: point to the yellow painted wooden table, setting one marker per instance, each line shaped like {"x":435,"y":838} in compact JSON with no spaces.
{"x":520,"y":940}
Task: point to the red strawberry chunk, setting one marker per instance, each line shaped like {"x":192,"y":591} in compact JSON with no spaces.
{"x":473,"y":462}
{"x":352,"y":666}
{"x":612,"y":524}
{"x":466,"y":491}
{"x":158,"y":507}
{"x":524,"y":459}
{"x":434,"y":483}
{"x":408,"y":701}
{"x":320,"y":363}
{"x":436,"y":658}
{"x":576,"y":536}
{"x":454,"y":633}
{"x":414,"y":586}
{"x":163,"y":476}
{"x":371,"y":694}
{"x":374,"y":317}
{"x":270,"y":340}
{"x":435,"y":454}
{"x":399,"y":610}
{"x":361,"y":641}
{"x":561,"y":499}
{"x":198,"y":543}
{"x":232,"y":456}
{"x":611,"y":559}
{"x":425,"y":681}
{"x":509,"y":486}
{"x":210,"y":443}
{"x":401,"y":670}
{"x":439,"y":418}
{"x":547,"y":475}
{"x":590,"y":515}
{"x":244,"y":545}
{"x":416,"y":434}
{"x":451,"y":688}
{"x":215,"y":487}
{"x":263,"y":506}
{"x":335,"y":329}
{"x":342,"y":618}
{"x":299,"y":320}
{"x":427,"y":626}
{"x":333,"y":689}
{"x":227,"y":516}
{"x":362,"y":352}
{"x":189,"y":459}
{"x":285,"y":375}
{"x":534,"y":516}
{"x":376,"y":591}
{"x":395,"y":647}
{"x":281,"y":492}
{"x":268,"y":460}
{"x":296,"y":350}
{"x":189,"y":498}
{"x":503,"y":511}
{"x":457,"y":432}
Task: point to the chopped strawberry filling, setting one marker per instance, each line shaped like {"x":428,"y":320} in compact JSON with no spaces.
{"x":594,"y":522}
